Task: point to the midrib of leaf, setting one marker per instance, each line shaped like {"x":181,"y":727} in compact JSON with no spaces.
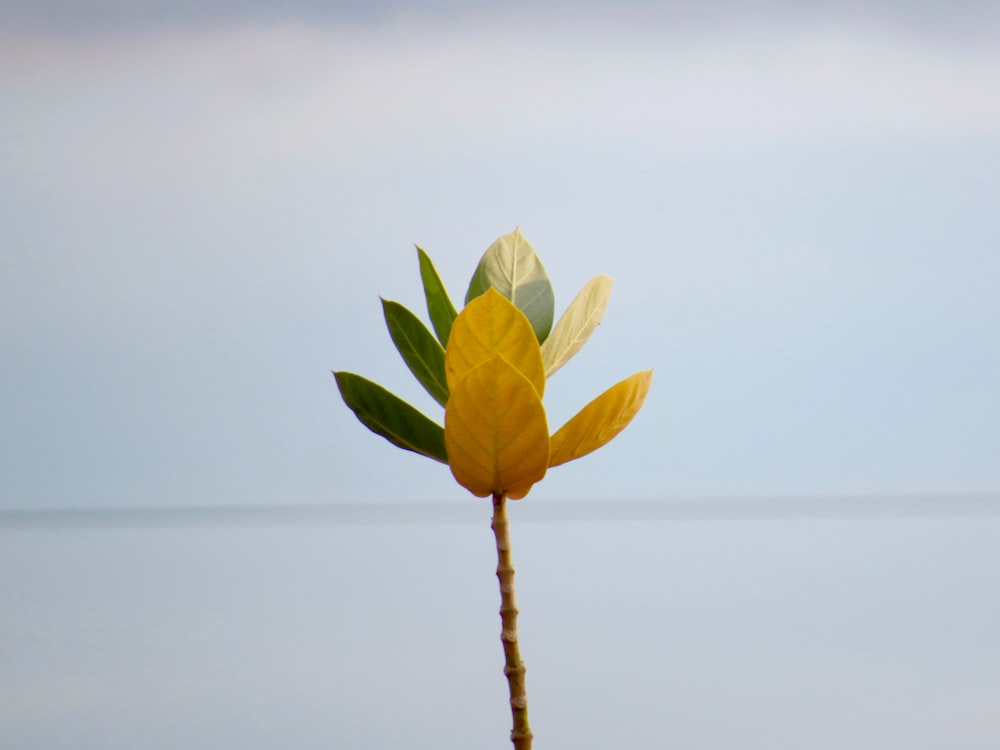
{"x":513,"y":280}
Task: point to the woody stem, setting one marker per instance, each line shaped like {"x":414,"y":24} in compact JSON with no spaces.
{"x":514,"y":668}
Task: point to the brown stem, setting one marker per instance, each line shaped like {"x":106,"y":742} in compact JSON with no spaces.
{"x":514,"y":668}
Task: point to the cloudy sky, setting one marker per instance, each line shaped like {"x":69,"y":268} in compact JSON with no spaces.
{"x":200,"y":204}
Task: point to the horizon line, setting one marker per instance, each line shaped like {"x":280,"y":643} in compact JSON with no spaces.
{"x":677,"y":508}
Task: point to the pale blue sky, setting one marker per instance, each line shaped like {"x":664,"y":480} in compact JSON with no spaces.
{"x":798,"y":207}
{"x":200,"y":204}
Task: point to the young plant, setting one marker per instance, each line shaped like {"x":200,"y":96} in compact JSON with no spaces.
{"x":487,"y":367}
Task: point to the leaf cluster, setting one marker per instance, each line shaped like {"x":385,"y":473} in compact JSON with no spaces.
{"x":487,"y":366}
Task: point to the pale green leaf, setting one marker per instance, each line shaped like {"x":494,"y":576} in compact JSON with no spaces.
{"x":577,"y":323}
{"x":495,"y":431}
{"x":600,"y":420}
{"x":512,"y":267}
{"x":419,"y":349}
{"x":388,"y":415}
{"x":491,"y":325}
{"x":439,"y":306}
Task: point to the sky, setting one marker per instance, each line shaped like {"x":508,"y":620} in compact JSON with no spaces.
{"x":793,"y":545}
{"x":202,"y":204}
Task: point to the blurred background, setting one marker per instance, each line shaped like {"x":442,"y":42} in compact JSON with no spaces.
{"x":793,"y":544}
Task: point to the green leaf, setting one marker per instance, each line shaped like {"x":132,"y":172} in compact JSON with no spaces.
{"x":442,"y":312}
{"x":388,"y":415}
{"x":512,"y":267}
{"x":577,"y":323}
{"x":419,"y":349}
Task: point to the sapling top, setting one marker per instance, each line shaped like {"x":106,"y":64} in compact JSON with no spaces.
{"x":487,"y":366}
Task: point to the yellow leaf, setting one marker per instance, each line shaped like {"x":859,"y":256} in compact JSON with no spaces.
{"x":577,"y":323}
{"x":495,"y":430}
{"x":600,"y":420}
{"x":490,"y":325}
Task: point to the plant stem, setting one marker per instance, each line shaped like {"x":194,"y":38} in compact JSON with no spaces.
{"x":514,"y":668}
